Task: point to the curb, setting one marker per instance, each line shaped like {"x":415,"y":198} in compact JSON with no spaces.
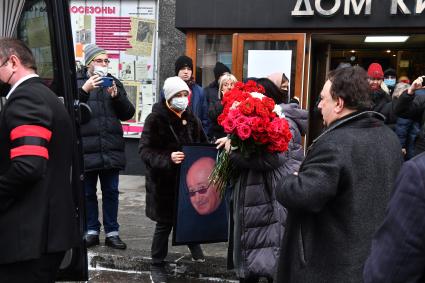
{"x":178,"y":264}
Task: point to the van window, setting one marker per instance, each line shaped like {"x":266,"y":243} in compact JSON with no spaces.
{"x":34,"y":30}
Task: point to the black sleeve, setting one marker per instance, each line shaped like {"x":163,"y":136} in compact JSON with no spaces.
{"x":410,"y":106}
{"x":316,"y":182}
{"x":150,"y":145}
{"x":122,"y":105}
{"x":397,"y":250}
{"x":29,"y":152}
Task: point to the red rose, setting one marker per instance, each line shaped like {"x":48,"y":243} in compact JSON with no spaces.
{"x":243,"y":131}
{"x":261,"y":110}
{"x":268,"y":103}
{"x":247,"y":106}
{"x":229,"y":125}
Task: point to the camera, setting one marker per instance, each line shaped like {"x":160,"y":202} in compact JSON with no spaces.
{"x":106,"y":81}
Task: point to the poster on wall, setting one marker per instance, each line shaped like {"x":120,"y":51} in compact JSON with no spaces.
{"x":262,"y":63}
{"x":126,"y":30}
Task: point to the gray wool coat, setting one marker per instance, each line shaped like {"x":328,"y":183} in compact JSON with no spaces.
{"x":338,"y":200}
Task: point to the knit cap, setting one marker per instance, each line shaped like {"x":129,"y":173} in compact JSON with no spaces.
{"x":183,"y":61}
{"x":375,"y":71}
{"x":390,"y":72}
{"x":173,"y":85}
{"x":219,"y":70}
{"x":91,"y":51}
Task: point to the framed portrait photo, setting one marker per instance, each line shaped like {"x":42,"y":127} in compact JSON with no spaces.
{"x":201,"y":214}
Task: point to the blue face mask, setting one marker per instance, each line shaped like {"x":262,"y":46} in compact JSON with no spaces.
{"x":389,"y":82}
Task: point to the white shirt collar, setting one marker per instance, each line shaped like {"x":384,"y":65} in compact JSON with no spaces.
{"x":21,"y":80}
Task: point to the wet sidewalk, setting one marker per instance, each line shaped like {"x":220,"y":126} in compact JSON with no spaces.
{"x":136,"y":230}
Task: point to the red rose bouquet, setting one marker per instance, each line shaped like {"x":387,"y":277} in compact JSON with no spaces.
{"x":253,"y":123}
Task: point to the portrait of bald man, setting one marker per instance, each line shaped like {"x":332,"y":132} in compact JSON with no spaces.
{"x":204,"y":197}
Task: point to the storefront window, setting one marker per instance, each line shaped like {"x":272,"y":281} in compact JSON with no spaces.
{"x":212,"y":48}
{"x":268,"y":45}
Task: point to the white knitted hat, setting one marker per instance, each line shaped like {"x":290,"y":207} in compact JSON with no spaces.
{"x":173,"y":85}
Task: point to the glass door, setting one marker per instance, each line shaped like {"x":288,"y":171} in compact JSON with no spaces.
{"x":261,"y":54}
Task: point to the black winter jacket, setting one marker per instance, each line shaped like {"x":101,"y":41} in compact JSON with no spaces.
{"x":256,"y":223}
{"x":413,"y":107}
{"x":102,"y":136}
{"x":214,"y":110}
{"x":163,"y":133}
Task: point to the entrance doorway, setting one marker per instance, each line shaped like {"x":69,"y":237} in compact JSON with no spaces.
{"x":328,"y":51}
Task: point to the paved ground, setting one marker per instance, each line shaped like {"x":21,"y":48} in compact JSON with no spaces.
{"x":137,"y":230}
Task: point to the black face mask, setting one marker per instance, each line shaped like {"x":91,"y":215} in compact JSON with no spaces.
{"x":5,"y":87}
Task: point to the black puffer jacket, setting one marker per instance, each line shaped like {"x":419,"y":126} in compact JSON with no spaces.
{"x":163,"y":133}
{"x":256,"y":225}
{"x":103,"y":141}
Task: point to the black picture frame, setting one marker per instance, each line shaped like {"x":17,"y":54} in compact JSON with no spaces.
{"x":208,"y":222}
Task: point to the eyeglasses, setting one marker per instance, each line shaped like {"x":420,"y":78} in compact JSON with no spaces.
{"x":202,"y":190}
{"x":100,"y":61}
{"x":4,"y":63}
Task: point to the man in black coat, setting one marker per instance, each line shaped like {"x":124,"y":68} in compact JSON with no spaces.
{"x":398,"y":248}
{"x":103,"y":143}
{"x":37,"y":213}
{"x":338,"y":198}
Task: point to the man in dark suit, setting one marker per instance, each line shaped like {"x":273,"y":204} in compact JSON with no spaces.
{"x":398,"y":248}
{"x":338,"y":198}
{"x":37,"y":213}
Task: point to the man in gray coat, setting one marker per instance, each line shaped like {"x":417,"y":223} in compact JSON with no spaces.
{"x":338,"y":198}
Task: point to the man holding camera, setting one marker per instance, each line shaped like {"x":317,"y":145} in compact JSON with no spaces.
{"x":103,"y":143}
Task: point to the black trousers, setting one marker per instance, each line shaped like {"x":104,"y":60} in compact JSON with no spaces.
{"x":159,"y":249}
{"x":41,"y":270}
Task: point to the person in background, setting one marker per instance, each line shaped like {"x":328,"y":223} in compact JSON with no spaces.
{"x":103,"y":144}
{"x":390,"y":79}
{"x":411,"y":105}
{"x":381,"y":101}
{"x":166,"y":129}
{"x":210,"y":93}
{"x":197,"y":100}
{"x":406,"y":129}
{"x":404,"y":79}
{"x":226,"y":83}
{"x":398,"y":247}
{"x":298,"y":123}
{"x":282,"y":82}
{"x":338,"y":197}
{"x":37,"y":212}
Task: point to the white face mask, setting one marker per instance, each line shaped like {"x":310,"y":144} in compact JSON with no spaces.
{"x":100,"y":70}
{"x":179,"y":103}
